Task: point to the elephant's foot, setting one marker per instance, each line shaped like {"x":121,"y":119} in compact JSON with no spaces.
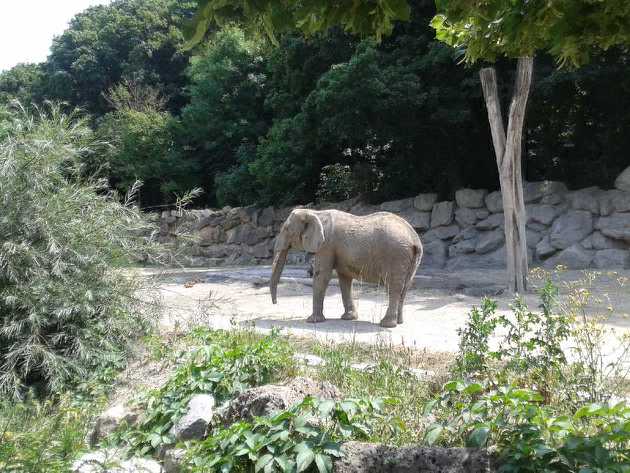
{"x":350,"y":316}
{"x":315,"y":319}
{"x":388,"y":322}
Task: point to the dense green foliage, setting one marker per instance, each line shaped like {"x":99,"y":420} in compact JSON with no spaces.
{"x":129,"y":39}
{"x":538,"y":404}
{"x":570,"y":30}
{"x":64,"y":305}
{"x":253,"y":121}
{"x":224,"y":365}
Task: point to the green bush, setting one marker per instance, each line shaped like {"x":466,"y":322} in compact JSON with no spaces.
{"x":65,"y":302}
{"x":305,"y":437}
{"x":222,"y":364}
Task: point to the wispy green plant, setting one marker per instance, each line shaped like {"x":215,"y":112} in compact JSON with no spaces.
{"x":66,"y":303}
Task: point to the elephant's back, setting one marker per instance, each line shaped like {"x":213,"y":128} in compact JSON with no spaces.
{"x":375,"y":244}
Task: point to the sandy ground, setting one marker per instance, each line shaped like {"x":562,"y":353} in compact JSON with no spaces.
{"x":435,"y":309}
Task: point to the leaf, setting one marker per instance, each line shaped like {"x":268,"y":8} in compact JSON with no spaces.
{"x":304,"y":459}
{"x":324,"y":463}
{"x":325,"y":407}
{"x":473,"y":388}
{"x":263,"y":461}
{"x":428,"y":407}
{"x":284,"y":463}
{"x":433,"y":434}
{"x":478,"y":437}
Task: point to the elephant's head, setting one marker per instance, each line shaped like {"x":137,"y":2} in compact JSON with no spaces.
{"x":302,"y":230}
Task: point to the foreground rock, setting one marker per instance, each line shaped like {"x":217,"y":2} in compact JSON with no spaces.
{"x":107,"y":461}
{"x":371,"y":458}
{"x":272,"y":398}
{"x":623,"y":180}
{"x":193,"y":425}
{"x":110,"y":420}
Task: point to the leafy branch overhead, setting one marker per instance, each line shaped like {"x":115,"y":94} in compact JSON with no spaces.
{"x":362,"y":18}
{"x":572,"y":31}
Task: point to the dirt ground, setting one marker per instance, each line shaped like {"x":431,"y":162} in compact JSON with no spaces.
{"x":435,"y":309}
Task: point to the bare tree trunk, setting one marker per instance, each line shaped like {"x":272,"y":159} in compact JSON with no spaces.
{"x":507,"y":149}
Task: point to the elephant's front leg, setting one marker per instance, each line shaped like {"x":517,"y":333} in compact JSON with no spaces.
{"x":345,"y":284}
{"x":322,"y":271}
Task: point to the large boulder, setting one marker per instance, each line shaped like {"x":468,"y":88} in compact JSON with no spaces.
{"x":462,"y":247}
{"x":495,"y":220}
{"x":248,"y":234}
{"x":266,"y":217}
{"x":544,"y":248}
{"x":193,"y":425}
{"x":441,"y":233}
{"x":543,"y":214}
{"x":111,"y":420}
{"x":623,"y":180}
{"x":397,"y":205}
{"x":573,"y":257}
{"x":375,"y":458}
{"x":600,"y":241}
{"x":490,"y":241}
{"x":434,"y":255}
{"x":109,"y":461}
{"x":425,"y":202}
{"x":173,"y":460}
{"x":418,"y":220}
{"x":571,"y":228}
{"x":611,"y":259}
{"x":211,"y":236}
{"x":493,"y":260}
{"x":470,"y":198}
{"x":616,"y":226}
{"x":494,"y":202}
{"x":442,"y":214}
{"x":532,"y":237}
{"x":465,"y":216}
{"x":534,"y":191}
{"x":585,"y":199}
{"x":621,"y":202}
{"x":272,"y":398}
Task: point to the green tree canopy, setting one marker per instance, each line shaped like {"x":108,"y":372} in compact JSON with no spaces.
{"x":570,"y":30}
{"x":132,"y":39}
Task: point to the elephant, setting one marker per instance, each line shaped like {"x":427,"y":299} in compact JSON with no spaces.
{"x":379,"y":248}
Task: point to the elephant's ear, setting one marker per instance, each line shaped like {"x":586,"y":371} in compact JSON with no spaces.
{"x":313,"y":234}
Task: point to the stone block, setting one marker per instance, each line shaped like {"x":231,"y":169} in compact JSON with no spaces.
{"x":462,"y":247}
{"x":493,"y":260}
{"x":544,"y":248}
{"x":585,"y":199}
{"x":465,"y":217}
{"x":434,"y":254}
{"x":266,"y":216}
{"x":193,"y":425}
{"x":211,"y":236}
{"x":494,"y":202}
{"x":442,"y":214}
{"x":541,"y":213}
{"x":424,"y":202}
{"x":397,"y":205}
{"x":376,"y":458}
{"x":573,"y":257}
{"x":621,"y":202}
{"x":535,"y":191}
{"x":602,"y":242}
{"x":533,"y":238}
{"x":623,"y":180}
{"x":495,"y":220}
{"x":442,"y":233}
{"x":611,"y":259}
{"x":110,"y":420}
{"x":470,"y":198}
{"x":571,"y":228}
{"x":616,"y":226}
{"x":418,"y":220}
{"x":490,"y":241}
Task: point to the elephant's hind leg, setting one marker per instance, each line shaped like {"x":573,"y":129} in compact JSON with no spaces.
{"x":395,"y":289}
{"x":350,"y":311}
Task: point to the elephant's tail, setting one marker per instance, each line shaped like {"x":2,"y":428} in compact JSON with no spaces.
{"x":415,"y":262}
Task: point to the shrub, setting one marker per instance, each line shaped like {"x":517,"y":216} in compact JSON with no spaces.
{"x":222,"y":364}
{"x":305,"y":437}
{"x":65,"y":301}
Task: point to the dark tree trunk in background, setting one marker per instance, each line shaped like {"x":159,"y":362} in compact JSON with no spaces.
{"x":508,"y":150}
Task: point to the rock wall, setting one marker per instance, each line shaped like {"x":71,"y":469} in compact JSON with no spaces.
{"x":586,"y":228}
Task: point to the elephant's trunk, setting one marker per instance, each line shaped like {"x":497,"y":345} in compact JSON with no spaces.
{"x":279,"y":259}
